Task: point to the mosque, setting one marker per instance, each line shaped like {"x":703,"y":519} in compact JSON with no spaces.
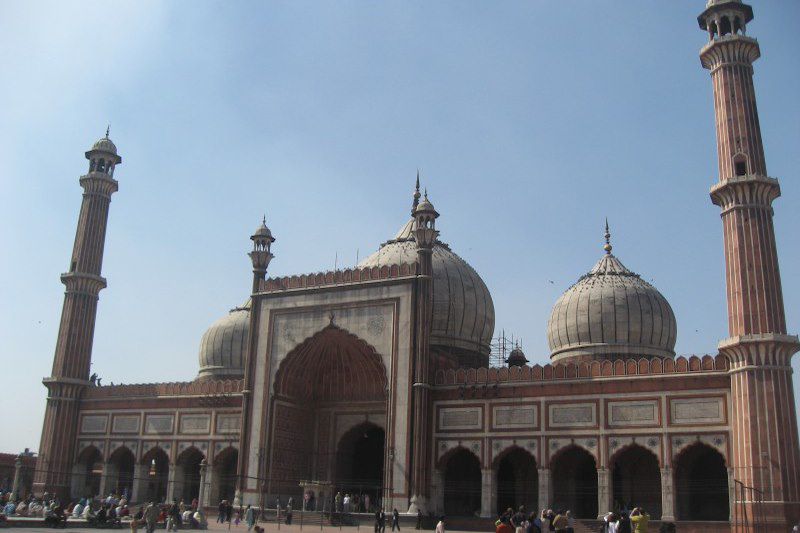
{"x":376,"y":380}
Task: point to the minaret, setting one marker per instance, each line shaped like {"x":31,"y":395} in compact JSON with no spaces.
{"x":261,"y":256}
{"x":76,"y":332}
{"x":765,"y":452}
{"x":425,"y":234}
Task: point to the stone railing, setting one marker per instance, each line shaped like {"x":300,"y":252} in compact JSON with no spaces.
{"x":340,"y":277}
{"x":583,"y":370}
{"x":180,"y":388}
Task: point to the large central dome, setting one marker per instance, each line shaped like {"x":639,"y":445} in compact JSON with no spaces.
{"x":463,"y":312}
{"x":611,"y":313}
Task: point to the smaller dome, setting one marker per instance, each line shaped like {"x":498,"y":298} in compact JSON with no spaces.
{"x":105,"y":145}
{"x":223,"y":348}
{"x":517,"y":358}
{"x":263,"y":231}
{"x":425,"y":206}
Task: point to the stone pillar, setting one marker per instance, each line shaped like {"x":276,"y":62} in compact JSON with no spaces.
{"x":437,"y":491}
{"x":203,"y":492}
{"x":210,"y":492}
{"x":17,"y":478}
{"x":488,"y":493}
{"x":545,"y":489}
{"x":731,"y":496}
{"x":171,"y":482}
{"x":140,"y":476}
{"x":604,"y":503}
{"x":667,"y":496}
{"x":104,"y":479}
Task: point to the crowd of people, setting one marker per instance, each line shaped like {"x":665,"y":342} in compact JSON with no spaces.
{"x":110,"y":511}
{"x":562,"y":521}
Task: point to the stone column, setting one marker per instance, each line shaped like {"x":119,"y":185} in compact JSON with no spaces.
{"x":210,"y":493}
{"x":171,"y":482}
{"x":487,"y":493}
{"x":203,"y":492}
{"x":604,"y":503}
{"x":731,"y":496}
{"x":667,"y":496}
{"x":140,"y":476}
{"x":545,"y":489}
{"x":17,"y":478}
{"x":104,"y":479}
{"x":437,"y":491}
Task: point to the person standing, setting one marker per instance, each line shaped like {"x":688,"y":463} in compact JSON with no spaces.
{"x":560,"y":522}
{"x":639,"y":520}
{"x":150,"y":516}
{"x":440,"y":525}
{"x":419,"y":519}
{"x":395,"y":520}
{"x":249,"y":518}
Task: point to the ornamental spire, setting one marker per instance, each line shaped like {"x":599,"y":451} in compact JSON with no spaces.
{"x":607,"y":246}
{"x":416,"y":196}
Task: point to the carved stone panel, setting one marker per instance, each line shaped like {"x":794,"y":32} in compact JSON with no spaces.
{"x":633,"y":413}
{"x":697,"y":411}
{"x":125,"y":424}
{"x":94,"y":424}
{"x":195,"y":423}
{"x":515,"y":416}
{"x":460,"y":418}
{"x":228,"y":423}
{"x":573,"y":415}
{"x":159,"y":424}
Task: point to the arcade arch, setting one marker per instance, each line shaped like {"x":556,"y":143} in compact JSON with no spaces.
{"x":359,"y":461}
{"x":701,"y":484}
{"x":636,"y":480}
{"x":517,"y":480}
{"x":223,"y":475}
{"x":121,"y":471}
{"x":574,"y":478}
{"x":88,"y":472}
{"x":187,"y":474}
{"x":156,"y":463}
{"x":462,"y":482}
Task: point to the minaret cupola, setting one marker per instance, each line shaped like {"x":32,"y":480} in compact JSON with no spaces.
{"x":103,"y":156}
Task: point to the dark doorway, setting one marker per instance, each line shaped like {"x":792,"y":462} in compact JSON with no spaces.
{"x":359,"y":462}
{"x":575,"y":482}
{"x":189,"y":464}
{"x":636,"y":481}
{"x":92,"y":469}
{"x":123,"y":462}
{"x":517,"y":481}
{"x":225,"y":475}
{"x":462,"y":484}
{"x":157,"y":474}
{"x":701,"y":485}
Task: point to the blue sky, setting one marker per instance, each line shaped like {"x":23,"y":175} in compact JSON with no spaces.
{"x":530,"y":121}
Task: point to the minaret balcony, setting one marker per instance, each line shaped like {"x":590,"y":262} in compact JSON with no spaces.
{"x":729,"y":49}
{"x":750,"y":190}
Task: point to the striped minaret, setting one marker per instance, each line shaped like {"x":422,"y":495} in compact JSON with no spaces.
{"x":76,"y":332}
{"x":765,"y":452}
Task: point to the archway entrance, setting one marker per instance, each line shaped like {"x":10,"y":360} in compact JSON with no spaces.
{"x":574,"y":475}
{"x":462,"y":484}
{"x":636,"y":481}
{"x":121,"y":462}
{"x":359,"y":461}
{"x":224,"y":476}
{"x":157,"y":474}
{"x":187,"y":475}
{"x":517,"y":481}
{"x":323,"y":382}
{"x":701,"y":484}
{"x":89,"y":470}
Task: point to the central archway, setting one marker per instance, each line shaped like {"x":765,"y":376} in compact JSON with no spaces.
{"x":517,"y":481}
{"x":359,"y":461}
{"x":574,"y":474}
{"x":701,"y":484}
{"x":330,"y":377}
{"x":636,"y":480}
{"x":462,"y":483}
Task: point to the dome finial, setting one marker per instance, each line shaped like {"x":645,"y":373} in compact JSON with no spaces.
{"x":108,"y":130}
{"x":607,"y":246}
{"x":416,"y":196}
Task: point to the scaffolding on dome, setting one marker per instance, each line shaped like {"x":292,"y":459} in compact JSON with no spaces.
{"x":501,"y":347}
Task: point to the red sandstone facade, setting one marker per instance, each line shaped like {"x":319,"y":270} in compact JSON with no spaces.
{"x":346,"y":379}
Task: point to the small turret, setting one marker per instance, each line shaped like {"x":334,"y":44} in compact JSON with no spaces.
{"x":425,"y":216}
{"x":261,"y":255}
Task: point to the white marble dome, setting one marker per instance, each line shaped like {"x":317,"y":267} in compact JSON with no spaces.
{"x":463,"y":311}
{"x":223,"y":348}
{"x":611,"y":313}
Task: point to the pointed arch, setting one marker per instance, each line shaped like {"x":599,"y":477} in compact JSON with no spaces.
{"x":701,"y":484}
{"x":636,"y":479}
{"x":574,"y":474}
{"x":461,"y":470}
